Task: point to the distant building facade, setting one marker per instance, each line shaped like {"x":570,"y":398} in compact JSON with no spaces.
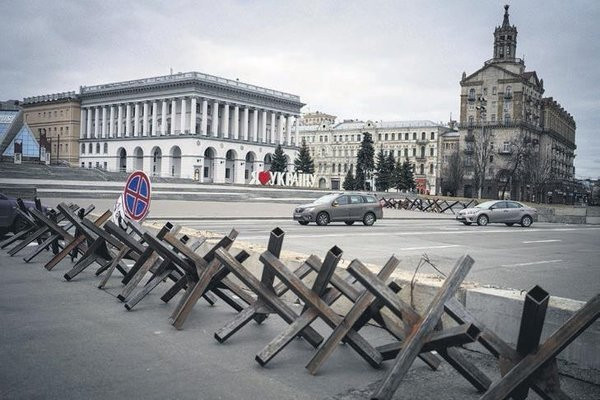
{"x":317,"y":118}
{"x":334,"y":148}
{"x":58,"y":117}
{"x":506,"y":102}
{"x":189,"y":125}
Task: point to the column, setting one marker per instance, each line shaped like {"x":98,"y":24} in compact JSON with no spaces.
{"x":173,"y":113}
{"x":236,"y":122}
{"x":245,"y":124}
{"x":204,"y":123}
{"x":288,"y":130}
{"x":295,"y":132}
{"x":163,"y":117}
{"x":154,"y":117}
{"x":273,"y":128}
{"x":88,"y":130}
{"x":280,"y":129}
{"x":215,"y":119}
{"x":97,"y":122}
{"x":183,"y":114}
{"x":225,"y":124}
{"x":82,"y":123}
{"x":145,"y":120}
{"x":128,"y":120}
{"x":136,"y":120}
{"x":193,"y":116}
{"x":254,"y":133}
{"x":120,"y":120}
{"x":103,"y":130}
{"x":111,"y":122}
{"x":263,"y":127}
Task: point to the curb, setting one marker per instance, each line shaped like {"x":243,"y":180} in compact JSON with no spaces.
{"x":231,"y":218}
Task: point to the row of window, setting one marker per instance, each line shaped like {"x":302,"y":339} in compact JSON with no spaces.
{"x":507,"y":92}
{"x":55,"y":129}
{"x":358,"y":137}
{"x":398,"y":152}
{"x":343,"y":168}
{"x":98,"y":165}
{"x":90,"y":148}
{"x":50,"y":114}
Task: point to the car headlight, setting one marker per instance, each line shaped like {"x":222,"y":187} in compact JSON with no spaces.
{"x":309,"y":209}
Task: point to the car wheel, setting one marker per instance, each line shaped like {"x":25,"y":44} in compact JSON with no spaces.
{"x":467,"y":223}
{"x":349,"y":222}
{"x":369,"y":219}
{"x":482,"y":220}
{"x":18,"y":225}
{"x":303,"y":222}
{"x":526,"y":221}
{"x":322,"y":218}
{"x":509,"y":223}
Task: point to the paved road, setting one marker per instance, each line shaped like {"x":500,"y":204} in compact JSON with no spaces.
{"x":563,"y":259}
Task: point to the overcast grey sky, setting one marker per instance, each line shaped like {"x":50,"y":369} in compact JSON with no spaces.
{"x":390,"y":60}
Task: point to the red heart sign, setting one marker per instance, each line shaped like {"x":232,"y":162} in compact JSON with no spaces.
{"x":264,"y":177}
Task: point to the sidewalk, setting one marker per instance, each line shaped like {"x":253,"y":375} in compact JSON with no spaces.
{"x":70,"y":340}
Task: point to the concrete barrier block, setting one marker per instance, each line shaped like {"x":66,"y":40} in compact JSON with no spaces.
{"x":592,"y":220}
{"x":500,"y":310}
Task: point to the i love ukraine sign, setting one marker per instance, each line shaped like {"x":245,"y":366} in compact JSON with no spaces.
{"x":282,"y":179}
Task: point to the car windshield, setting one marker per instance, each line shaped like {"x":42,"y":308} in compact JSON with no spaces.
{"x":486,"y":204}
{"x":326,"y":199}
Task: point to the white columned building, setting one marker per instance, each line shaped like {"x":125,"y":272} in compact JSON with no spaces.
{"x":189,"y":125}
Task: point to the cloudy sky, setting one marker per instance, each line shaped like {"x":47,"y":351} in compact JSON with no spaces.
{"x":380,"y":60}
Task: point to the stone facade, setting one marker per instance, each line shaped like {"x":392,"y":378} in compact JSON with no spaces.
{"x":58,"y":116}
{"x":334,"y":148}
{"x":506,"y":102}
{"x":189,"y":125}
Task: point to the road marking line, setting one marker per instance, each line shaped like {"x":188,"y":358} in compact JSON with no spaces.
{"x":532,"y":263}
{"x":543,"y":241}
{"x":431,"y":247}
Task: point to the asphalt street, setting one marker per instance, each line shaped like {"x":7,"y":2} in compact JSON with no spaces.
{"x":561,"y":258}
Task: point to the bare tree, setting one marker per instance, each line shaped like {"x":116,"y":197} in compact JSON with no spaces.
{"x":482,"y":148}
{"x":453,"y":173}
{"x":537,"y":173}
{"x":520,"y":150}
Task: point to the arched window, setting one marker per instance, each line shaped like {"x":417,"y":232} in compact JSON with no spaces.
{"x":82,"y":148}
{"x":431,"y":169}
{"x":421,"y":169}
{"x":97,"y":148}
{"x":406,"y":136}
{"x":105,"y":148}
{"x":423,"y":136}
{"x":386,"y":136}
{"x":333,"y":168}
{"x":472,"y":94}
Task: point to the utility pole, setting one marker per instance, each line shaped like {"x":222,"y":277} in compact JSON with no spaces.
{"x":483,"y":144}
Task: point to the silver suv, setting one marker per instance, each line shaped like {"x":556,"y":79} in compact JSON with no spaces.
{"x":338,"y":207}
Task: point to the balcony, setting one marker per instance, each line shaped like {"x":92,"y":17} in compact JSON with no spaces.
{"x":420,"y":158}
{"x":504,"y":152}
{"x":507,"y":96}
{"x":422,"y":141}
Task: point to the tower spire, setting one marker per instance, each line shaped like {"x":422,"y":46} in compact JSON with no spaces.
{"x":506,"y":22}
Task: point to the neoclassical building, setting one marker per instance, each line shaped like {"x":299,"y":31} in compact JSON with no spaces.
{"x":189,"y":125}
{"x":505,"y":101}
{"x":334,"y":147}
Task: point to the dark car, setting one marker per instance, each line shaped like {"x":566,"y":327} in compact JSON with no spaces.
{"x":340,"y":207}
{"x":9,"y":218}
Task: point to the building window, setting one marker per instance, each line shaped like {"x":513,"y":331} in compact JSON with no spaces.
{"x":423,"y":136}
{"x":493,"y":118}
{"x":471,"y":94}
{"x":414,"y":135}
{"x":431,"y":151}
{"x":90,"y":164}
{"x":507,"y":119}
{"x":105,"y":148}
{"x":90,"y":148}
{"x":97,"y":148}
{"x":82,"y":165}
{"x":82,"y":148}
{"x":421,"y":169}
{"x":386,"y":137}
{"x":414,"y":151}
{"x":406,"y":136}
{"x":431,"y":169}
{"x":432,"y":135}
{"x":405,"y":152}
{"x":493,"y":89}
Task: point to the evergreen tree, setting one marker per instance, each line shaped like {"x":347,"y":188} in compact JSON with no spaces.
{"x":348,"y":181}
{"x":382,"y":180}
{"x":359,"y":178}
{"x":279,"y":162}
{"x":391,"y":166}
{"x":365,"y":162}
{"x":397,"y":174}
{"x":304,"y":162}
{"x":408,"y":176}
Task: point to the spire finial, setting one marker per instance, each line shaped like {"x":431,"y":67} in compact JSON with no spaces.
{"x":506,"y":23}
